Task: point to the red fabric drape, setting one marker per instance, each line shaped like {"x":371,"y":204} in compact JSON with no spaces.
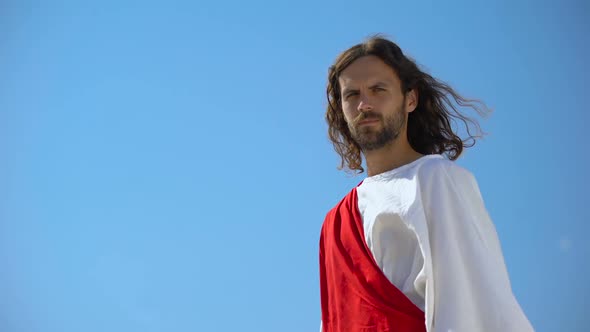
{"x":355,"y":294}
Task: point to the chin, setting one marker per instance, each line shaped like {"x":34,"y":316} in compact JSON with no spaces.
{"x":370,"y":133}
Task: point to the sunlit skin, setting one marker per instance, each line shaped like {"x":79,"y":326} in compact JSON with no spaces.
{"x":373,"y":102}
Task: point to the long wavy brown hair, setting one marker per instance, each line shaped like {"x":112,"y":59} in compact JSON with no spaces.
{"x":430,"y":125}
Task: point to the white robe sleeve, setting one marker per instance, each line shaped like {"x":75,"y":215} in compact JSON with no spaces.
{"x":470,"y":283}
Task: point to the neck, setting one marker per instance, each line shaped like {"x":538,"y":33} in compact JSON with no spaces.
{"x":396,"y":154}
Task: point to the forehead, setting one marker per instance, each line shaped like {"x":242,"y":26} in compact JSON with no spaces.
{"x":367,"y":69}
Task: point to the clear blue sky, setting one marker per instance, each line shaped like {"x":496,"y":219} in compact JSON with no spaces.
{"x":164,"y":166}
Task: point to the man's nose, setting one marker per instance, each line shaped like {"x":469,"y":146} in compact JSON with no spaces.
{"x":364,"y":104}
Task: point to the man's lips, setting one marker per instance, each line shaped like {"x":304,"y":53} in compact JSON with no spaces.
{"x":368,"y":121}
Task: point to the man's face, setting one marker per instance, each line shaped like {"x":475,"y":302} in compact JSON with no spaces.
{"x":374,"y":106}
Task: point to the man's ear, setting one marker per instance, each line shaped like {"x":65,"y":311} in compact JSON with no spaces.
{"x":411,"y":100}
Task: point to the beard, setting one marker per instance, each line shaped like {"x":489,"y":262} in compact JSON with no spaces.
{"x":373,"y":137}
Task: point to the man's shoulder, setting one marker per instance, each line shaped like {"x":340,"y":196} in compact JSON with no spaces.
{"x":342,"y":200}
{"x":442,"y":169}
{"x":435,"y":163}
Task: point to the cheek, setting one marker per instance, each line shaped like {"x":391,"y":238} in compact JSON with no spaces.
{"x":349,"y":110}
{"x":348,"y":115}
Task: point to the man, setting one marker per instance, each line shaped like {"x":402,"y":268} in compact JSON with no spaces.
{"x":412,"y":248}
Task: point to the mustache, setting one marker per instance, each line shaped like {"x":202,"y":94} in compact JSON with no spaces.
{"x":366,"y":116}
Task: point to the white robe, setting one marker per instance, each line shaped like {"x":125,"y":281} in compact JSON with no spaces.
{"x":428,"y":230}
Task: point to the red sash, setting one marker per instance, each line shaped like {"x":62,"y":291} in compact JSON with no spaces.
{"x":355,"y":294}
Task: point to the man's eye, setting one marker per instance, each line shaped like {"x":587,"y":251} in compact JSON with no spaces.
{"x":352,"y":94}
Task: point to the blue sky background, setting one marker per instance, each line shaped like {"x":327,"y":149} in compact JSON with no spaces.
{"x":164,"y":166}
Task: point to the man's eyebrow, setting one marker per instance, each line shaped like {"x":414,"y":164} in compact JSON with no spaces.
{"x":348,"y":90}
{"x":374,"y":85}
